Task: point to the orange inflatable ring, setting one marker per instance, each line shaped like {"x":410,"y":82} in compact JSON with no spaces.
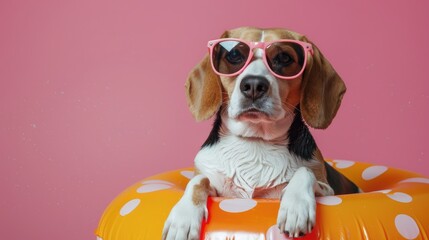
{"x":395,"y":205}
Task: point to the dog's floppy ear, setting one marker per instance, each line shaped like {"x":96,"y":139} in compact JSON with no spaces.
{"x":203,"y":90}
{"x":322,"y":91}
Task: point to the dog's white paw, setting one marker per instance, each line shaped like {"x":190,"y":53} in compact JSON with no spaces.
{"x":297,"y":213}
{"x":184,"y":221}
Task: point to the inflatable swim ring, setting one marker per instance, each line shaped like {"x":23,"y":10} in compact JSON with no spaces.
{"x":395,"y":205}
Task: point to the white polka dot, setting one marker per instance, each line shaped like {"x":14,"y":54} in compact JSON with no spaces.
{"x":343,"y":163}
{"x":406,"y":226}
{"x":373,"y":172}
{"x":400,"y":197}
{"x":129,"y":207}
{"x":237,"y":205}
{"x":99,"y":238}
{"x":329,"y":200}
{"x":188,"y":174}
{"x":157,"y":181}
{"x":415,"y":180}
{"x":153,"y":187}
{"x":274,"y":233}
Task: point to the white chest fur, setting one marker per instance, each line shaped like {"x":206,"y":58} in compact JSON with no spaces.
{"x":241,"y":167}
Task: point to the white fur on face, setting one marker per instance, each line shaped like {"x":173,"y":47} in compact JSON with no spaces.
{"x":272,"y":104}
{"x":273,"y":122}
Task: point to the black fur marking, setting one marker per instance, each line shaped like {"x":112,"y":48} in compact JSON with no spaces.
{"x":338,"y":182}
{"x":301,"y":142}
{"x":214,"y":134}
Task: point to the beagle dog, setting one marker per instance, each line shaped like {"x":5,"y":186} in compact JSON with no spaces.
{"x":264,"y":87}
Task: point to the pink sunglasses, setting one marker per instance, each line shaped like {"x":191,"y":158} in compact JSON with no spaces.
{"x":286,"y":59}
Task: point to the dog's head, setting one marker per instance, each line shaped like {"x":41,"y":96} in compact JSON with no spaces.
{"x":263,"y":84}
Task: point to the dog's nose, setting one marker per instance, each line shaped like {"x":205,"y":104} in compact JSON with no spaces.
{"x":254,"y":87}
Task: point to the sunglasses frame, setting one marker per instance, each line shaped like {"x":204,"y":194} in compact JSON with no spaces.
{"x":308,"y":48}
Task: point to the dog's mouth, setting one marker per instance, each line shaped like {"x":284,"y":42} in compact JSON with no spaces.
{"x":253,"y":115}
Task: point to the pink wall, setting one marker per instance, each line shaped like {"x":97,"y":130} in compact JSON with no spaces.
{"x":92,"y":99}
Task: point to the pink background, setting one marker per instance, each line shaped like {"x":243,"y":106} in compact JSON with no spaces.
{"x":92,"y":97}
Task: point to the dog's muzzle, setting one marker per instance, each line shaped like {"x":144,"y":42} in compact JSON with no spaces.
{"x":255,"y":91}
{"x":254,"y":87}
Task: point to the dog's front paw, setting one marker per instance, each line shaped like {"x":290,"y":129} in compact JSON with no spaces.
{"x":297,"y":213}
{"x":184,"y":221}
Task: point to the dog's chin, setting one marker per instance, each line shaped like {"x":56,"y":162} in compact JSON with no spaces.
{"x":255,"y":116}
{"x":256,"y":123}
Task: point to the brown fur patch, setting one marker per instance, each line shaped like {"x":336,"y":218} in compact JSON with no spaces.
{"x":201,"y":192}
{"x":320,"y":171}
{"x":323,"y":91}
{"x":203,"y":91}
